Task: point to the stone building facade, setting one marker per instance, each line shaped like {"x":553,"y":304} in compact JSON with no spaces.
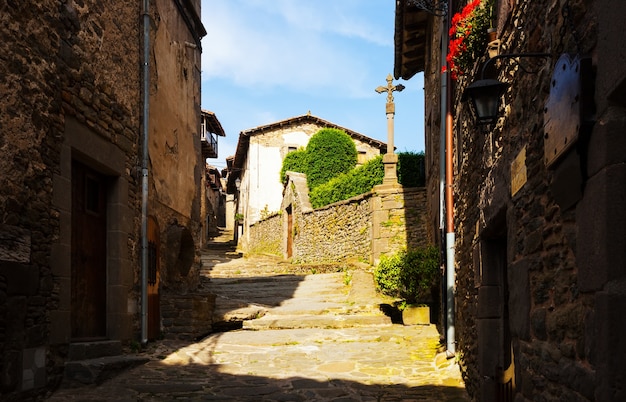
{"x":70,"y":152}
{"x":258,"y":160}
{"x":540,"y":257}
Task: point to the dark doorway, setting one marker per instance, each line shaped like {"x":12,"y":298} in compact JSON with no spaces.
{"x":154,"y":304}
{"x":495,"y":342}
{"x":89,"y":258}
{"x":289,"y":232}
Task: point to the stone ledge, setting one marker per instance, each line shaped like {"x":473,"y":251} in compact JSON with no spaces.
{"x":96,"y":371}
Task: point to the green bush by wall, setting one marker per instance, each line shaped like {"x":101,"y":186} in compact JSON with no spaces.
{"x":409,"y":275}
{"x":355,"y":182}
{"x":329,"y":153}
{"x":294,"y":161}
{"x":411,"y":169}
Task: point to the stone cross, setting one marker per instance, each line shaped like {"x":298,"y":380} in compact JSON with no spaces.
{"x":390,"y":159}
{"x":389,"y":89}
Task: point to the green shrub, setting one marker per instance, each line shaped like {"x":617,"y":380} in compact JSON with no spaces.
{"x":410,"y":275}
{"x":294,"y":161}
{"x":329,"y":153}
{"x":410,"y":169}
{"x":355,"y":182}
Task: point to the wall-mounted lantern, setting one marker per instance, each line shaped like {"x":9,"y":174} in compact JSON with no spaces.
{"x":484,"y":94}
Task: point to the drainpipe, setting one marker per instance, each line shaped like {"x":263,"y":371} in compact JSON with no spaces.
{"x":446,"y":117}
{"x":144,"y":174}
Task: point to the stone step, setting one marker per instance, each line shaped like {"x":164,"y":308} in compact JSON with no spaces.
{"x":95,"y":371}
{"x":94,"y":349}
{"x":272,"y":321}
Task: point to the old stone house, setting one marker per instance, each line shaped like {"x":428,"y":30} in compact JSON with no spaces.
{"x":258,"y":161}
{"x":213,"y":207}
{"x":82,"y":245}
{"x":534,"y":201}
{"x":215,"y":198}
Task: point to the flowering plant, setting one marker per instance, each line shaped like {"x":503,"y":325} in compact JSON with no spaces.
{"x":468,"y":36}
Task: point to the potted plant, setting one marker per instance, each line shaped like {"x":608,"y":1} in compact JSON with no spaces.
{"x":410,"y":276}
{"x":468,"y":36}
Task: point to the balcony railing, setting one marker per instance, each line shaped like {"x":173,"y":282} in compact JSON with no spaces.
{"x":209,"y":141}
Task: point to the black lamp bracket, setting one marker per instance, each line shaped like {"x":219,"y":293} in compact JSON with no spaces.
{"x":438,"y":8}
{"x":510,"y":56}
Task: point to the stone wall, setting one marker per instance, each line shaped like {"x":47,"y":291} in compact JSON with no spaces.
{"x":525,"y":240}
{"x":69,"y":76}
{"x":187,"y":316}
{"x":361,"y":228}
{"x":399,"y":220}
{"x":266,"y":236}
{"x":338,"y":232}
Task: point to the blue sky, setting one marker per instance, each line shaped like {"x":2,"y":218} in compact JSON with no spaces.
{"x":269,"y":60}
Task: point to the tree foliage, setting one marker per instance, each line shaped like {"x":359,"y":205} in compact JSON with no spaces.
{"x":355,"y":182}
{"x":411,"y":171}
{"x":294,"y":161}
{"x":410,"y":275}
{"x":329,"y":153}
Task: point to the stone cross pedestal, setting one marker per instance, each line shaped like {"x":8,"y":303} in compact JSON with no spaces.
{"x":390,"y":159}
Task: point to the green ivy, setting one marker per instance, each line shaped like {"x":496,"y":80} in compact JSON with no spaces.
{"x":294,"y":161}
{"x":355,"y":182}
{"x":411,"y":169}
{"x":329,"y":153}
{"x":410,"y":275}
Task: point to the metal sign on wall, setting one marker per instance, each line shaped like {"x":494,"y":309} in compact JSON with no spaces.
{"x":562,"y":118}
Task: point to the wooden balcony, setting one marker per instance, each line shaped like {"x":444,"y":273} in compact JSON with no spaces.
{"x":210,"y":129}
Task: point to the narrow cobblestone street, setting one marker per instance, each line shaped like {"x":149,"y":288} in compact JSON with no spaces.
{"x":302,"y":337}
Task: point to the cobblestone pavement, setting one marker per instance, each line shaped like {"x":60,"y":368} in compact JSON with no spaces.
{"x":326,"y":362}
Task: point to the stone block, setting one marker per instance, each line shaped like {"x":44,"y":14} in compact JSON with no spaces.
{"x":15,"y":244}
{"x":10,"y":371}
{"x":33,"y":368}
{"x":59,"y":328}
{"x":538,"y":324}
{"x":416,"y":315}
{"x":117,"y":298}
{"x":119,"y":325}
{"x":519,"y":299}
{"x":489,"y":334}
{"x":610,"y":327}
{"x":60,"y":260}
{"x":92,"y":350}
{"x":21,"y":279}
{"x":601,"y":218}
{"x":607,"y":145}
{"x":611,"y":60}
{"x":61,"y":192}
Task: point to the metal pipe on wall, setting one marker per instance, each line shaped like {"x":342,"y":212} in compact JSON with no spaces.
{"x":144,"y":172}
{"x":449,"y":204}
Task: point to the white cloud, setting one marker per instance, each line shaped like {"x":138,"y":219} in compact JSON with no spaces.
{"x":295,"y":45}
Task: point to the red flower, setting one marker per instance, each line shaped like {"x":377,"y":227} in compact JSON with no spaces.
{"x":467,"y":36}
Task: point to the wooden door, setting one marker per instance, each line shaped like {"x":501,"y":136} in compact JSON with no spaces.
{"x":154,"y":304}
{"x":289,"y":232}
{"x":89,"y":258}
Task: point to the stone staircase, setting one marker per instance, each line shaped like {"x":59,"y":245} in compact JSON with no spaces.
{"x":96,"y":362}
{"x":266,"y":292}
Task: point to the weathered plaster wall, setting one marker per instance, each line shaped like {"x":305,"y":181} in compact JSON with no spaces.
{"x":174,"y":144}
